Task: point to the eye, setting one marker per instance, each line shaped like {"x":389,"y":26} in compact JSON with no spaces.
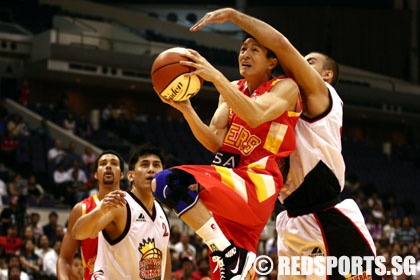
{"x":311,"y":61}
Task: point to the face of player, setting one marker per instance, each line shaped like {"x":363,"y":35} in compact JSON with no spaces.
{"x":253,"y":60}
{"x":109,"y":171}
{"x":317,"y":61}
{"x":146,"y":167}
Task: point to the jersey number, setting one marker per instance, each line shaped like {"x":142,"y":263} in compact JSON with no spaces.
{"x":165,"y":230}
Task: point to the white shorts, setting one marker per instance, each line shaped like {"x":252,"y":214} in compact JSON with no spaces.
{"x":336,"y":231}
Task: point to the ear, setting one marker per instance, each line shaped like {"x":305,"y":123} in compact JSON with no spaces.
{"x":273,"y":62}
{"x":130,"y":176}
{"x":327,"y":75}
{"x":95,"y":175}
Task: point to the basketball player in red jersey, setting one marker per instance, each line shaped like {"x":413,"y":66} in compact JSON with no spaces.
{"x":316,"y":222}
{"x":109,"y":167}
{"x":251,"y":130}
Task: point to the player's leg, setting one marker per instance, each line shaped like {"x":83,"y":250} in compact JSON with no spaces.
{"x":346,"y":234}
{"x":172,"y":188}
{"x":299,"y":237}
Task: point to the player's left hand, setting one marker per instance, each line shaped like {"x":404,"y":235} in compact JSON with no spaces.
{"x":203,"y":68}
{"x":181,"y":106}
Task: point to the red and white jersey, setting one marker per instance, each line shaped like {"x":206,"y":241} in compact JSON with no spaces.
{"x":245,"y":172}
{"x":140,"y":252}
{"x":317,"y":140}
{"x":89,"y":246}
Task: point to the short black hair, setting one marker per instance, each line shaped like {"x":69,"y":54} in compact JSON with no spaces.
{"x":270,"y":53}
{"x":278,"y":70}
{"x":330,"y":64}
{"x":145,"y":149}
{"x":112,"y":152}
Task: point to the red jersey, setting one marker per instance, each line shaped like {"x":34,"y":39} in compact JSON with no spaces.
{"x":89,"y":245}
{"x":242,"y":185}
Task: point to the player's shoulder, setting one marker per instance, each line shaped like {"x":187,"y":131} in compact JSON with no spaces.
{"x":77,"y":208}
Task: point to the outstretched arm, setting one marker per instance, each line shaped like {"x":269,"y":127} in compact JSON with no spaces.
{"x":313,"y":89}
{"x":69,"y":246}
{"x":105,"y":213}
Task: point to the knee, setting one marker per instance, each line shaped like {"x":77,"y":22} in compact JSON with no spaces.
{"x":171,"y":188}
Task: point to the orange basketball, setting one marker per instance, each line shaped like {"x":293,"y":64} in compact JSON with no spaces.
{"x":168,"y":76}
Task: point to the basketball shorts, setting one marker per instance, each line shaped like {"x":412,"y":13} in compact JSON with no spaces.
{"x":336,"y":231}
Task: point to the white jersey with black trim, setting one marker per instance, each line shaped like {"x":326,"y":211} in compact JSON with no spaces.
{"x":317,"y":140}
{"x":141,"y":251}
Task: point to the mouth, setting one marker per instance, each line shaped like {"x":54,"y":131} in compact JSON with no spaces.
{"x":245,"y":64}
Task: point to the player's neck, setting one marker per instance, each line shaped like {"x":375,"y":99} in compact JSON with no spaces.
{"x":105,"y":190}
{"x":145,"y":196}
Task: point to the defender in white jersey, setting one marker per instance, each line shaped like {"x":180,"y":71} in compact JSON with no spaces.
{"x":325,"y":226}
{"x":132,"y":228}
{"x":316,"y":222}
{"x":141,"y":249}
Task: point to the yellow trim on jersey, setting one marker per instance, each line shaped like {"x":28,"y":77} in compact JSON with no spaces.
{"x":84,"y":206}
{"x":293,"y":114}
{"x":96,"y":198}
{"x":264,"y":185}
{"x":261,"y":164}
{"x":275,"y":137}
{"x":233,"y":181}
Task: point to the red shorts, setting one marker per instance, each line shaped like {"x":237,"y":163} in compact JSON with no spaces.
{"x":241,"y":200}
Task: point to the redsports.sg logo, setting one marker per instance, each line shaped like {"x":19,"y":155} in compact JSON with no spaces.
{"x":345,"y":266}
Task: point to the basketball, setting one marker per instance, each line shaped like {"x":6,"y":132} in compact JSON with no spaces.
{"x":168,"y":76}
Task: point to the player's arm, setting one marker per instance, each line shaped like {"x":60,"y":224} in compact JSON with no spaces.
{"x":210,"y":136}
{"x":168,"y":269}
{"x":281,"y":98}
{"x":105,"y":213}
{"x":313,"y":88}
{"x":253,"y":112}
{"x":69,"y":245}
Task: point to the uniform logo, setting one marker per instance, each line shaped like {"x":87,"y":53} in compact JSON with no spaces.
{"x":316,"y":252}
{"x":150,"y":264}
{"x":362,"y":276}
{"x":226,"y":159}
{"x":236,"y":269}
{"x":240,"y":138}
{"x":141,"y":218}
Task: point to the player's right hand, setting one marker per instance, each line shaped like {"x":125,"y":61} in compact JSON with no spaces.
{"x":217,"y":16}
{"x":113,"y":199}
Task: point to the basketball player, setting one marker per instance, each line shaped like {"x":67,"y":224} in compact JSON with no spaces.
{"x":324,"y":225}
{"x":132,"y":228}
{"x":251,"y":130}
{"x":109,"y":167}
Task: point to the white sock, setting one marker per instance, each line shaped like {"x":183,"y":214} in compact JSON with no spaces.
{"x":213,"y":236}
